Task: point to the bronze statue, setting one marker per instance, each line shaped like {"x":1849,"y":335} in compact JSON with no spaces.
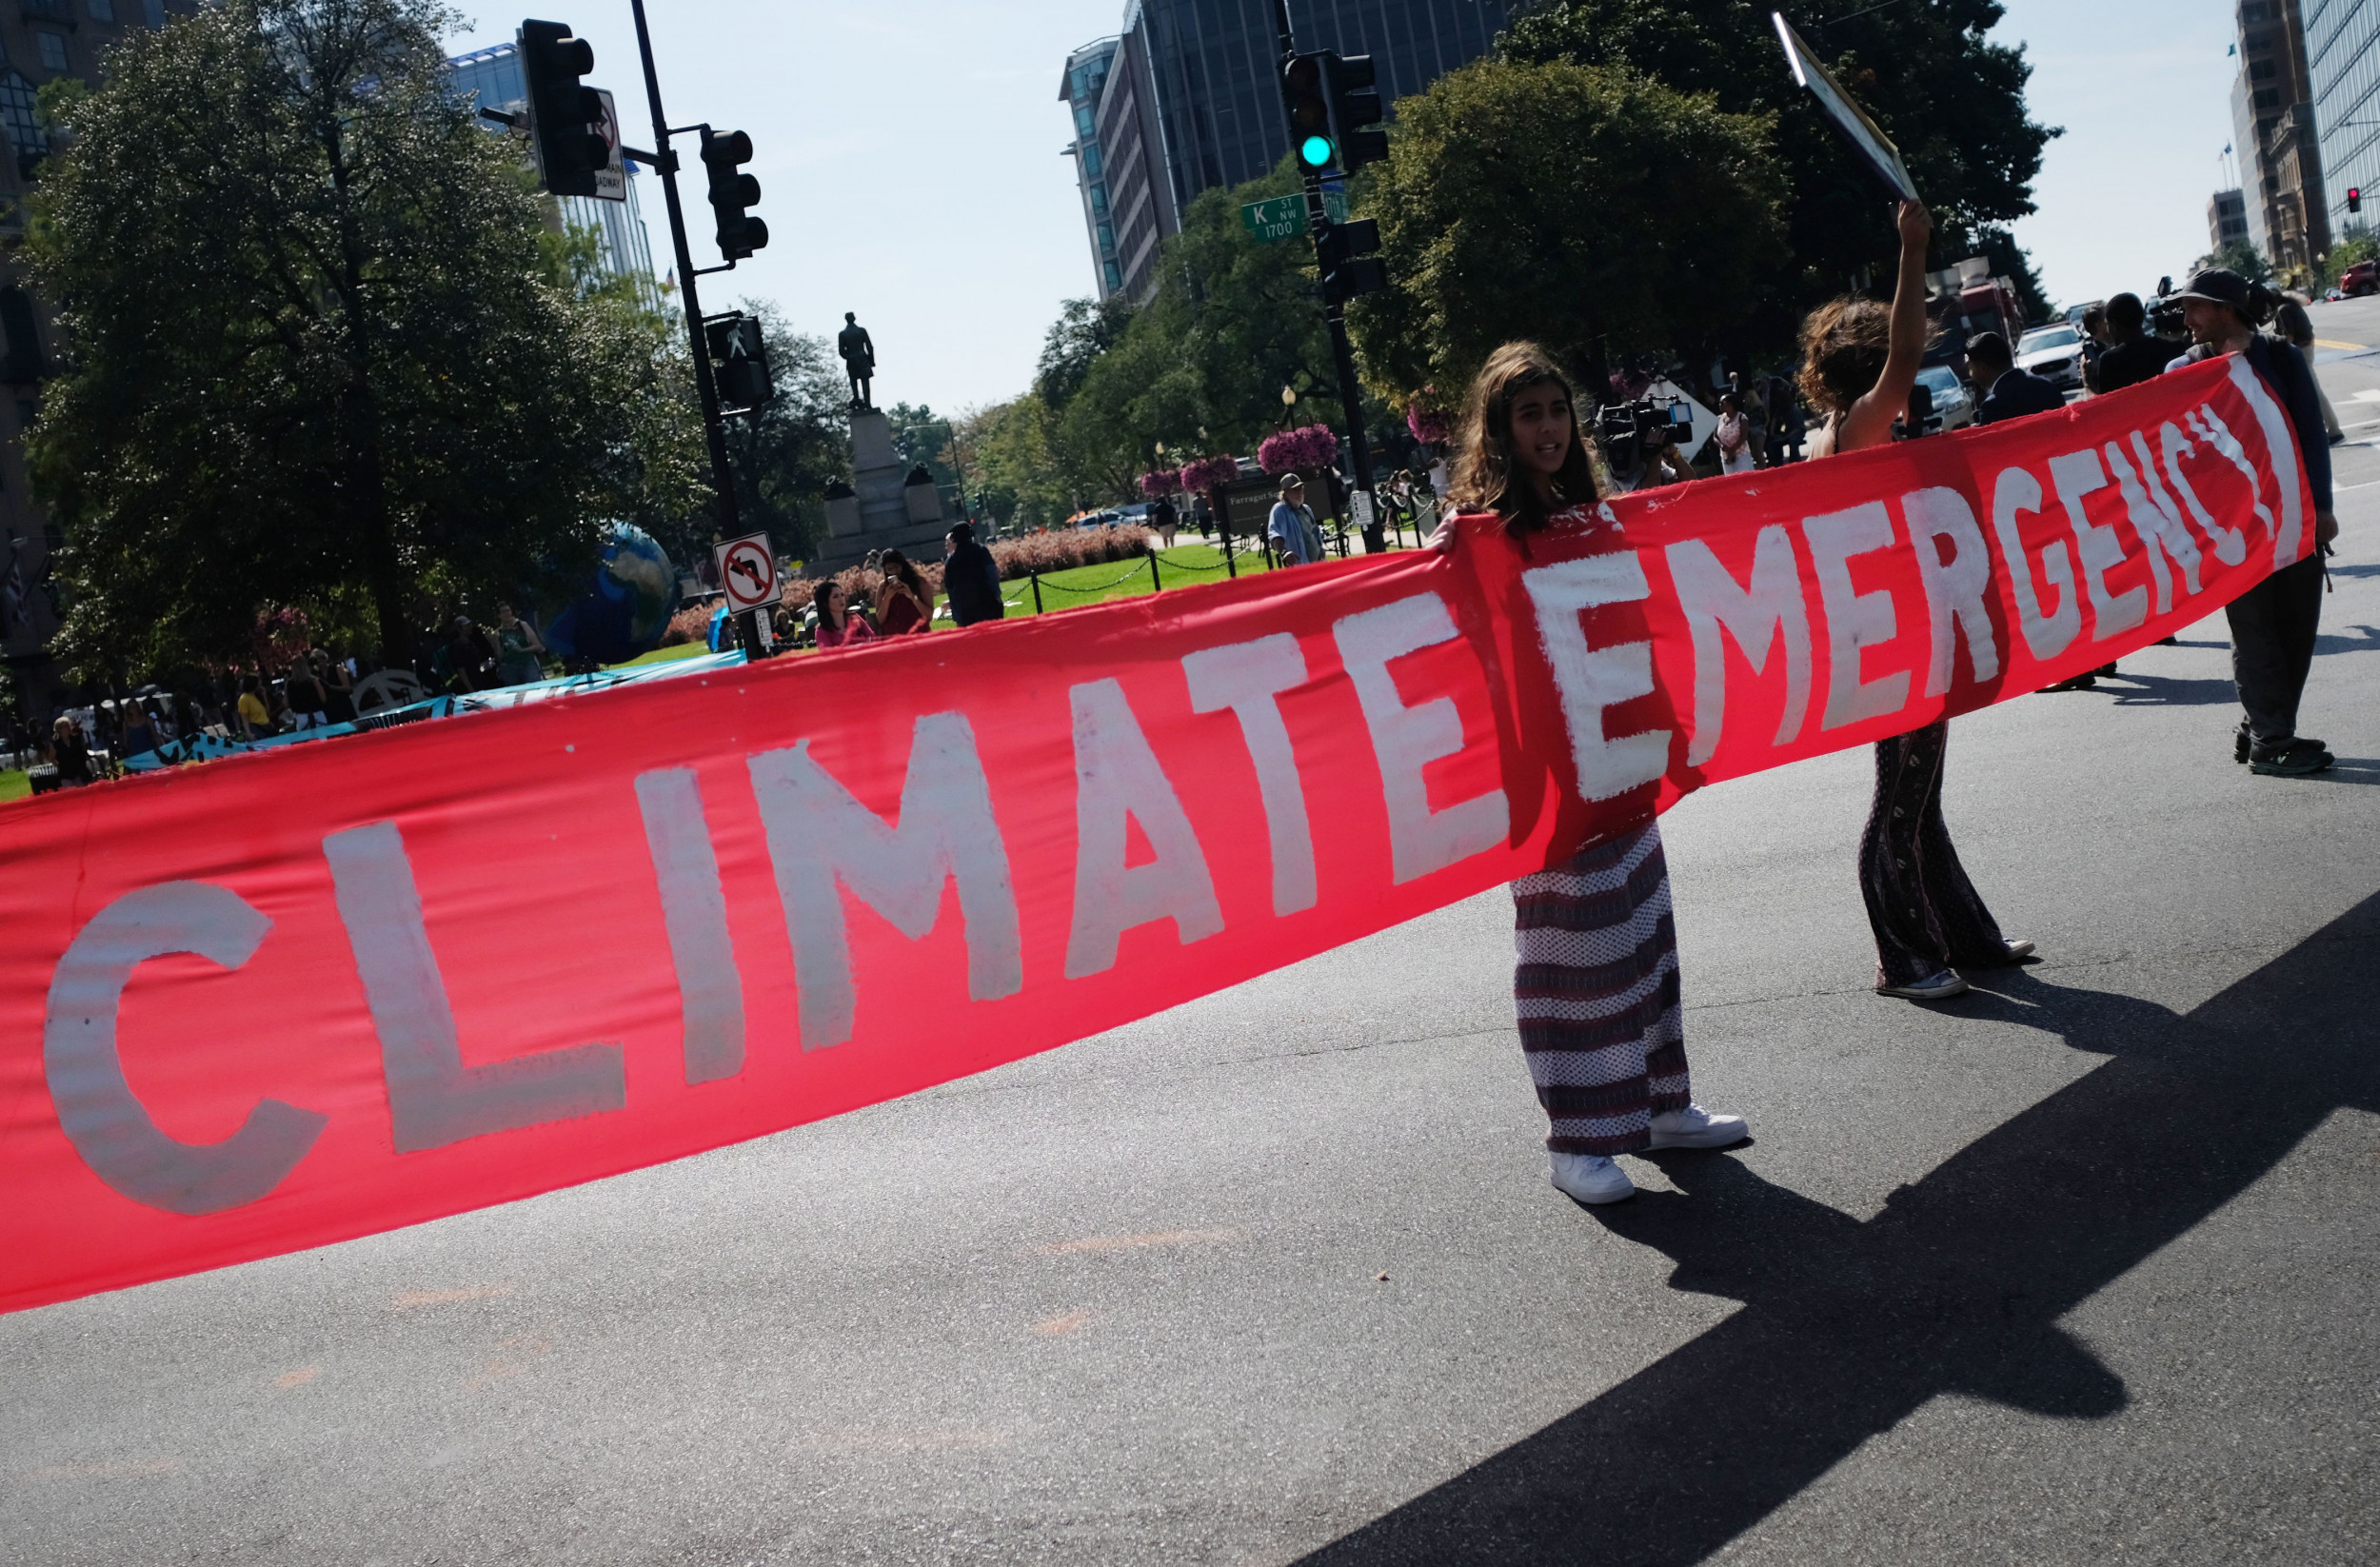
{"x":859,"y":359}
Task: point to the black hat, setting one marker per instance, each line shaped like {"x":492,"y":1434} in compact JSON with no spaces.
{"x":2217,"y":286}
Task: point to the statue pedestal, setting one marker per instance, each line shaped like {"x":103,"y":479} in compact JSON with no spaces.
{"x":882,"y":510}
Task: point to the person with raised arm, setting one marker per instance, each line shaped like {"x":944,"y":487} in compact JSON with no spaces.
{"x":1859,"y":360}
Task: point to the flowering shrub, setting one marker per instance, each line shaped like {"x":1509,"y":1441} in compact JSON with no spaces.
{"x":1051,"y":550}
{"x":1426,"y":419}
{"x":1164,"y":482}
{"x":1207,"y":472}
{"x":1311,"y":446}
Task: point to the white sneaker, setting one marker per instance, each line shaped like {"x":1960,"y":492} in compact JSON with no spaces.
{"x":1591,"y":1179}
{"x":1694,"y":1127}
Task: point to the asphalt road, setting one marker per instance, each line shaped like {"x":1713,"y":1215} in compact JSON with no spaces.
{"x":2080,"y":1269}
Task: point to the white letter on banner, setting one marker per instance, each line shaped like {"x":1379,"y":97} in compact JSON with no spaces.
{"x":1116,"y":777}
{"x":2217,"y":435}
{"x":1769,"y":611}
{"x":2017,"y":492}
{"x":2077,"y":474}
{"x":2230,"y":544}
{"x":2281,"y":447}
{"x":1954,"y":589}
{"x":1406,"y":740}
{"x":433,"y":1098}
{"x":1247,"y":678}
{"x":1854,"y":621}
{"x":819,"y":836}
{"x":2155,"y":520}
{"x":101,"y":1117}
{"x":694,"y":913}
{"x":1592,"y":679}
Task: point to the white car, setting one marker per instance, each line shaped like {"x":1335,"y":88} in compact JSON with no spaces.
{"x":2054,"y":353}
{"x":1953,"y":403}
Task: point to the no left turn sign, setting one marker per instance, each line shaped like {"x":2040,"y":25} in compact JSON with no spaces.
{"x":747,"y":570}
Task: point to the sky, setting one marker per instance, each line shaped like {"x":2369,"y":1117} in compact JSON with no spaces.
{"x":910,"y":157}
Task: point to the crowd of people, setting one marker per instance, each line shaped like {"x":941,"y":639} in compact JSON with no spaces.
{"x":1597,"y":988}
{"x":902,"y":604}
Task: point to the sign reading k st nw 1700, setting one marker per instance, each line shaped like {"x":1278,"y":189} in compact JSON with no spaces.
{"x":747,"y":569}
{"x":1277,"y":218}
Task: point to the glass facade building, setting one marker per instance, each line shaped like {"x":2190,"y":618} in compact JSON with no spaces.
{"x":2281,"y":165}
{"x":491,"y":78}
{"x":2343,"y":68}
{"x":1080,"y":89}
{"x":1188,"y":98}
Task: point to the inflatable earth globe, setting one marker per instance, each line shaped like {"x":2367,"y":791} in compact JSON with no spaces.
{"x":628,"y":607}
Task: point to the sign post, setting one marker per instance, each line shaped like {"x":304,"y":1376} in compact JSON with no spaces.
{"x":747,"y":572}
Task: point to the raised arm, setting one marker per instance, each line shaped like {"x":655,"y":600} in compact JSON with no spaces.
{"x":1869,"y":422}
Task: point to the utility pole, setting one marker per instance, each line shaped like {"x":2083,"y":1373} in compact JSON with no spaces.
{"x":665,"y":162}
{"x":1333,"y":310}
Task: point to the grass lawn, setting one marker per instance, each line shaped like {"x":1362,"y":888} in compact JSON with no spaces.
{"x":664,"y":655}
{"x":1183,"y":566}
{"x":14,"y":784}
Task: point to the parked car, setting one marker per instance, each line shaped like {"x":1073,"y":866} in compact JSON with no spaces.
{"x":2361,"y":279}
{"x":2054,"y":353}
{"x":1953,"y":403}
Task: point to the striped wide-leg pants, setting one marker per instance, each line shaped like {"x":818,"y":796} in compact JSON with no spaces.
{"x":1596,"y":991}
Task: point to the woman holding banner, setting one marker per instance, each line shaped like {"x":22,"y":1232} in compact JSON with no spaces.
{"x":1858,"y":363}
{"x":1597,"y":985}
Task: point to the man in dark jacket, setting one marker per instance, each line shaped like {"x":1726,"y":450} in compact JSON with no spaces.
{"x":2273,"y":623}
{"x":971,"y":579}
{"x":2132,"y":356}
{"x":2004,"y":391}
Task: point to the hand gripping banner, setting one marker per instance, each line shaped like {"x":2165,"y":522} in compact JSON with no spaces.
{"x":279,"y":1001}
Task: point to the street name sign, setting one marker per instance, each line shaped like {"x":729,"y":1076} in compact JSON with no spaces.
{"x":1277,"y":218}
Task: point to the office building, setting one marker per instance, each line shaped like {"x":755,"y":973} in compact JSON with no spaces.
{"x":2273,"y":121}
{"x":2342,"y":70}
{"x":2226,"y":219}
{"x":491,"y":78}
{"x":41,"y":40}
{"x":1187,"y":97}
{"x":1080,"y":89}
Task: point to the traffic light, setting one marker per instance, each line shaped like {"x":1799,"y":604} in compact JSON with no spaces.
{"x":1306,"y":93}
{"x":739,"y":361}
{"x":1348,"y":254}
{"x":724,"y":152}
{"x":2354,"y":198}
{"x":1353,"y":107}
{"x":565,"y":116}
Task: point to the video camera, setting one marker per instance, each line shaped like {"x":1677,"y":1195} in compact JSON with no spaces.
{"x":2165,"y":311}
{"x":1650,"y":424}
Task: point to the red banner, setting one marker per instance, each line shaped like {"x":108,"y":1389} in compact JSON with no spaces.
{"x":284,"y":1000}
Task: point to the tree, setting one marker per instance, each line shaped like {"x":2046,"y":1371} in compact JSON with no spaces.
{"x":318,"y":355}
{"x":785,"y":453}
{"x":2241,"y":256}
{"x":1951,"y":100}
{"x":1591,"y":208}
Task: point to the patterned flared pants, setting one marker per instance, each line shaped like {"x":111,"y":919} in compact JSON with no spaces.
{"x":1596,"y":990}
{"x":1927,"y":916}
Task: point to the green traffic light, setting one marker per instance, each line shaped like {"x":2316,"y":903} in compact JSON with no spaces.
{"x":1317,"y":152}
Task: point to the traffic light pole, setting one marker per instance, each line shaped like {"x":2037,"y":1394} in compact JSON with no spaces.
{"x":1335,"y":317}
{"x":714,"y":424}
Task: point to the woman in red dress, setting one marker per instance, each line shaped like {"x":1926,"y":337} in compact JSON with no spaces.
{"x":905,"y":605}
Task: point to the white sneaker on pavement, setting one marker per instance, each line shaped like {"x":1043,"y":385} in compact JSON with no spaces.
{"x":1591,"y":1179}
{"x":1694,"y":1127}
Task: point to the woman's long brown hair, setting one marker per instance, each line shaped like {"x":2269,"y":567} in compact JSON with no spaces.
{"x":1485,"y":477}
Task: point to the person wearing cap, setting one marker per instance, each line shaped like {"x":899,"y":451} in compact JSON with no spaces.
{"x":2273,"y":623}
{"x":971,"y":579}
{"x":1292,"y":527}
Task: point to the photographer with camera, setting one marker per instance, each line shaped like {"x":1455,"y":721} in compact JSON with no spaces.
{"x":2273,"y":623}
{"x":1639,"y":445}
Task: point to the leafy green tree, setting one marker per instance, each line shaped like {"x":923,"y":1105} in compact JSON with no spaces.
{"x":2355,"y":247}
{"x":1952,"y":101}
{"x":1591,"y":208}
{"x":2241,"y":256}
{"x":319,"y":358}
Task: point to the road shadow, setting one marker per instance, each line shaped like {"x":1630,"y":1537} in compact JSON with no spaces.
{"x":1956,"y":1286}
{"x":2362,"y":568}
{"x":2139,"y":690}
